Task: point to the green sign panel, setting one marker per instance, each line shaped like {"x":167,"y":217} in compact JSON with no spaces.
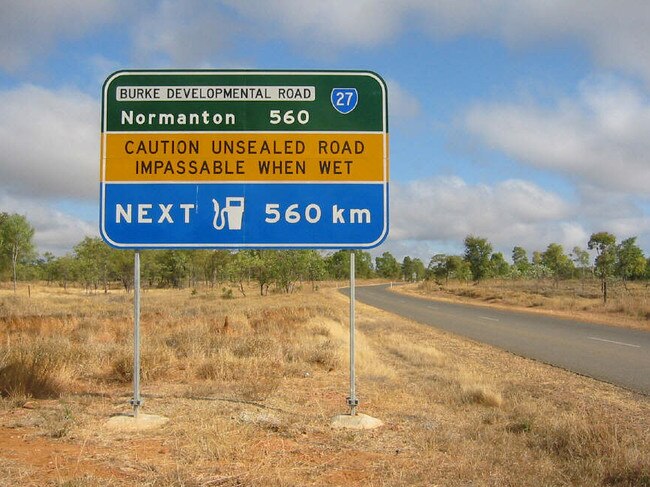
{"x":236,"y":101}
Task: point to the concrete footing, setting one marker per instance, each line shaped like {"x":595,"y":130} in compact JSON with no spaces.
{"x":357,"y":422}
{"x":128,"y":422}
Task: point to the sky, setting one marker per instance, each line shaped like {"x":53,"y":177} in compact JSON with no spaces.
{"x":520,"y":121}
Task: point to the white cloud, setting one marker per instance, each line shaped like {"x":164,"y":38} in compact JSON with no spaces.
{"x":55,"y":231}
{"x":435,"y":215}
{"x":321,"y":26}
{"x":513,"y":212}
{"x":600,"y":137}
{"x":29,"y":28}
{"x":615,"y":33}
{"x":182,"y":33}
{"x":402,"y":105}
{"x":191,"y":32}
{"x":50,"y":142}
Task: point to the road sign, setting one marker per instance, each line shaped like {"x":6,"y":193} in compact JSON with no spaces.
{"x":244,"y":159}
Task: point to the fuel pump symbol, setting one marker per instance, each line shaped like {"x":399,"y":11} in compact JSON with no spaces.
{"x":230,"y":215}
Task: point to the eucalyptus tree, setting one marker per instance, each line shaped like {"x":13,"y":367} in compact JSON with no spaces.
{"x":477,"y":253}
{"x":557,"y":261}
{"x":387,"y":266}
{"x":604,"y":244}
{"x":630,"y":261}
{"x":520,"y":260}
{"x":16,"y":235}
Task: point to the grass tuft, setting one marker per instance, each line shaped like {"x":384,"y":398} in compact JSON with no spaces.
{"x":38,"y":370}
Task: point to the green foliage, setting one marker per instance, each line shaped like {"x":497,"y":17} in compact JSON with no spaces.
{"x":387,"y":266}
{"x":605,"y":245}
{"x":95,"y":265}
{"x":498,"y":265}
{"x":338,"y":264}
{"x":290,"y":267}
{"x":630,"y":261}
{"x":520,"y":260}
{"x":16,"y":245}
{"x":557,"y":262}
{"x":448,"y":267}
{"x":94,"y":262}
{"x":413,"y":269}
{"x":477,"y":253}
{"x":580,"y":259}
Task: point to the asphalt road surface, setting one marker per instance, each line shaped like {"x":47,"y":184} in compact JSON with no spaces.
{"x":616,"y":355}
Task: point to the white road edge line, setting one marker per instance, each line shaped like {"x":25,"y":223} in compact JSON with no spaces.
{"x":488,"y":318}
{"x":615,"y":342}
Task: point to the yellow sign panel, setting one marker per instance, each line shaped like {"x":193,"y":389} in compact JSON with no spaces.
{"x":234,"y":157}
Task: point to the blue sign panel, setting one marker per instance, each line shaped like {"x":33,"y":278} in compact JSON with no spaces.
{"x":318,"y":215}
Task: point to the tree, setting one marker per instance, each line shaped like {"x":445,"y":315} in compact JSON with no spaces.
{"x":555,"y":259}
{"x":605,"y":245}
{"x":457,"y":268}
{"x":437,"y":268}
{"x":520,"y":260}
{"x":412,"y":269}
{"x":449,"y":267}
{"x":419,"y":270}
{"x":407,"y":268}
{"x":65,"y":269}
{"x":122,"y":267}
{"x":316,"y":270}
{"x":630,"y":261}
{"x":338,"y":264}
{"x":363,"y":264}
{"x":16,"y":240}
{"x":289,"y":267}
{"x":477,"y":253}
{"x":46,"y":265}
{"x":580,"y":259}
{"x":240,"y":268}
{"x":260,"y":265}
{"x":94,"y":258}
{"x":387,"y":266}
{"x":498,"y":265}
{"x":173,"y":267}
{"x":216,"y":266}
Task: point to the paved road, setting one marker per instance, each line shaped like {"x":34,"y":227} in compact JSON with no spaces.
{"x":617,"y":355}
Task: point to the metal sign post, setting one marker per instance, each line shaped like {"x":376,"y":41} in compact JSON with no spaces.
{"x":136,"y":402}
{"x":353,"y":402}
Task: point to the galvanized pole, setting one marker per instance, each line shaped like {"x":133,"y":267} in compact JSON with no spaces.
{"x":136,"y":402}
{"x":353,"y":402}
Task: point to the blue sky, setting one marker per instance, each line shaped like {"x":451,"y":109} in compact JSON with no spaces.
{"x":522,"y":121}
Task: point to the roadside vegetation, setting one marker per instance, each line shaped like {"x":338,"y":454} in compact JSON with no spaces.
{"x":605,"y":281}
{"x":246,"y":353}
{"x":250,"y":384}
{"x":98,"y":267}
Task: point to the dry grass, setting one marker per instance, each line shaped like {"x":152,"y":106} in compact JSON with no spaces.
{"x":250,"y":385}
{"x":627,"y":305}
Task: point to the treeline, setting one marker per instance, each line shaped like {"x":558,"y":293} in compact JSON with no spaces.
{"x":624,"y":260}
{"x":96,"y":266}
